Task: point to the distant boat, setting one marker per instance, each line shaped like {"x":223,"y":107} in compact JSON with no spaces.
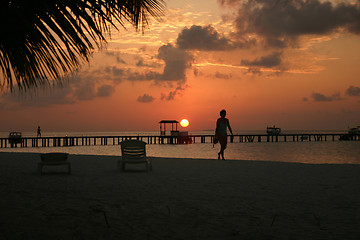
{"x":354,"y":131}
{"x":273,"y":130}
{"x":351,"y":134}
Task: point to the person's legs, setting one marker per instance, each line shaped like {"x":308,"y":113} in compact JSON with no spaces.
{"x":223,"y":143}
{"x":221,"y":153}
{"x":223,"y":147}
{"x":221,"y":150}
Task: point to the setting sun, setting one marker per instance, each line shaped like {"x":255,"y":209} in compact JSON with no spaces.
{"x":184,"y":123}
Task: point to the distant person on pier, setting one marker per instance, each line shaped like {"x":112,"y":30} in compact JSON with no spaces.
{"x":39,"y":132}
{"x":222,"y":124}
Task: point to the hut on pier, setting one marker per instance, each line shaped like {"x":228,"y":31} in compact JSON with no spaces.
{"x":180,"y":136}
{"x":174,"y":127}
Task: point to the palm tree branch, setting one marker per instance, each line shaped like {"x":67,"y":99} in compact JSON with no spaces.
{"x":56,"y":36}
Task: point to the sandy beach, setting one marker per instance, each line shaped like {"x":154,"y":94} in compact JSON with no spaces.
{"x":180,"y":199}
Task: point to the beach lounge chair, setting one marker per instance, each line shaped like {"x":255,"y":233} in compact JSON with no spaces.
{"x":54,"y":159}
{"x":133,"y":152}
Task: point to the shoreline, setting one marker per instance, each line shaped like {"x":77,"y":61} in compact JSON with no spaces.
{"x":181,"y":199}
{"x":342,"y":152}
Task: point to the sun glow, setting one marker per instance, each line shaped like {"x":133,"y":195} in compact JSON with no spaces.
{"x":184,"y":123}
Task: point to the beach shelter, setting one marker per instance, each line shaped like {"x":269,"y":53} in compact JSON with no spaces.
{"x":163,"y":123}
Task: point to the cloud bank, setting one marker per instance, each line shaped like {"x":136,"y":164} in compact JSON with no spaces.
{"x":203,"y":39}
{"x":271,"y":60}
{"x":280,"y":23}
{"x":145,"y":98}
{"x":319,"y":97}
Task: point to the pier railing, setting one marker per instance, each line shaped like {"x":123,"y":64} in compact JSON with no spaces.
{"x":68,"y":141}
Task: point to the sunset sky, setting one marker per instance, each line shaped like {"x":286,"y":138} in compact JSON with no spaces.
{"x":290,"y":63}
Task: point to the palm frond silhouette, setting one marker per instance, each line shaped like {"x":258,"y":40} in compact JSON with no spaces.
{"x":45,"y":39}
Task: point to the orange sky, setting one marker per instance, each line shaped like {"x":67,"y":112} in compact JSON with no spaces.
{"x":302,"y":73}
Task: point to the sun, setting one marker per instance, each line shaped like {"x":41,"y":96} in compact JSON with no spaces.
{"x":184,"y":123}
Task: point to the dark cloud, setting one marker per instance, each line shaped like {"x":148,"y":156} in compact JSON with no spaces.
{"x":253,"y":71}
{"x":179,"y":91}
{"x":120,"y":74}
{"x":115,"y":54}
{"x":203,"y":38}
{"x":78,"y":87}
{"x":83,"y":85}
{"x":87,"y":86}
{"x":223,"y":75}
{"x":271,"y":60}
{"x":281,"y":22}
{"x":176,"y":62}
{"x":145,"y":98}
{"x":105,"y":91}
{"x":319,"y":97}
{"x":147,"y":76}
{"x":353,"y":91}
{"x":116,"y":74}
{"x":115,"y":71}
{"x":37,"y":97}
{"x":85,"y":92}
{"x":142,"y":63}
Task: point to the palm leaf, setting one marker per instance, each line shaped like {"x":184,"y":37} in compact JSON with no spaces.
{"x":45,"y":39}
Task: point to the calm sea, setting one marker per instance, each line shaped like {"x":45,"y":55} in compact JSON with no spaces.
{"x":343,"y":152}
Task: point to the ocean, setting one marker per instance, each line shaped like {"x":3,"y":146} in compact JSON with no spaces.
{"x":322,"y":152}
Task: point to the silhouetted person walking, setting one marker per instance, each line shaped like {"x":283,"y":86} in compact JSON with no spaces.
{"x":39,"y":132}
{"x":222,"y":124}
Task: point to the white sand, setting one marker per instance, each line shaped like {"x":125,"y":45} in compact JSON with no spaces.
{"x":180,"y":199}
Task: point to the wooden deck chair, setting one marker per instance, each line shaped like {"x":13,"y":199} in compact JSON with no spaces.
{"x":133,"y":152}
{"x":54,"y":159}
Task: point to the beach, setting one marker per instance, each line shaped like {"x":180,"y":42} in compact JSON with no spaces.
{"x":179,"y":199}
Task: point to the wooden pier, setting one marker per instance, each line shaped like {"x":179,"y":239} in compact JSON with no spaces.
{"x":68,"y":141}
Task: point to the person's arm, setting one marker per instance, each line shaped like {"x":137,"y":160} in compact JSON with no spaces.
{"x":217,"y":126}
{"x":228,"y":124}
